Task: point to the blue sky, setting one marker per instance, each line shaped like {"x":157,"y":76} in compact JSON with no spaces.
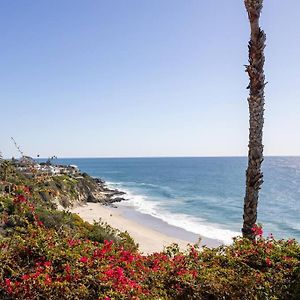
{"x":143,"y":78}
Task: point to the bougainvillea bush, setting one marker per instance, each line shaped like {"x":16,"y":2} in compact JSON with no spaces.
{"x":39,"y":261}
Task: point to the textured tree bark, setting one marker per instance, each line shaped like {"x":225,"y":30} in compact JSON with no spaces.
{"x":255,"y":70}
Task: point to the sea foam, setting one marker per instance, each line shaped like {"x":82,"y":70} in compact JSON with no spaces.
{"x":199,"y":226}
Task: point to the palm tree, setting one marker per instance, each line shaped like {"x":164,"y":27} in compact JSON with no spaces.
{"x":255,"y":70}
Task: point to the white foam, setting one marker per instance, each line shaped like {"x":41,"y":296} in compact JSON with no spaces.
{"x":133,"y":183}
{"x":192,"y":224}
{"x":112,"y":184}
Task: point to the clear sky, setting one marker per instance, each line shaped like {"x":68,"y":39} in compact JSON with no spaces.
{"x":143,"y":78}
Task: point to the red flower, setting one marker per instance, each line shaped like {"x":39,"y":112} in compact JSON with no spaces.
{"x":7,"y":282}
{"x":48,"y":279}
{"x":194,"y":273}
{"x":109,"y":273}
{"x":83,"y":259}
{"x":182,"y":272}
{"x":67,"y":268}
{"x":26,"y":189}
{"x":257,"y":230}
{"x":268,"y":262}
{"x":36,"y":274}
{"x":20,"y":199}
{"x":127,"y":256}
{"x":25,"y":277}
{"x":40,"y":223}
{"x":119,"y":272}
{"x":72,"y":243}
{"x":8,"y":285}
{"x":47,"y":263}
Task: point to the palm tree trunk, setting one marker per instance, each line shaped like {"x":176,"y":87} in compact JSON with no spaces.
{"x":255,"y":70}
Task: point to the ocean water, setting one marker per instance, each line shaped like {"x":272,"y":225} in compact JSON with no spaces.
{"x":204,"y":195}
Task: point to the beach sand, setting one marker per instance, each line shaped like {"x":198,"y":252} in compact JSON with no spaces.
{"x":149,"y":240}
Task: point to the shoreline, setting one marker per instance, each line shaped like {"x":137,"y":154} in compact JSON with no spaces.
{"x":170,"y":225}
{"x":165,"y":228}
{"x":150,"y":233}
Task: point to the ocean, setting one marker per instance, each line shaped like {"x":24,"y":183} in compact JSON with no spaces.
{"x":203,"y":195}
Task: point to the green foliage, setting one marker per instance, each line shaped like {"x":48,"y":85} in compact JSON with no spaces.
{"x":6,"y":170}
{"x":18,"y":217}
{"x":43,"y":264}
{"x":51,"y":254}
{"x":66,"y":184}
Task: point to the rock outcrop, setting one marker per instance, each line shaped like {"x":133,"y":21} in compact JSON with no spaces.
{"x":69,"y":191}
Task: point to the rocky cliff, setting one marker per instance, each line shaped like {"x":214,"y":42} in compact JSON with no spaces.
{"x":66,"y":190}
{"x":69,"y":191}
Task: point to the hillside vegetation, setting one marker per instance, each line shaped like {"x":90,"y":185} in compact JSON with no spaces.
{"x":47,"y":253}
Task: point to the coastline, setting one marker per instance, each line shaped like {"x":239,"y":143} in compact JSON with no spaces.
{"x":150,"y":238}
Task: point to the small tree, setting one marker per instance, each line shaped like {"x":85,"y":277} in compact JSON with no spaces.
{"x":5,"y":169}
{"x":1,"y":164}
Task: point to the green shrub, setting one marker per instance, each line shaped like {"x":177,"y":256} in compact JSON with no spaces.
{"x":50,"y":254}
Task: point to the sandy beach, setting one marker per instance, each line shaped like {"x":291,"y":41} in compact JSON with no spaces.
{"x":149,"y":240}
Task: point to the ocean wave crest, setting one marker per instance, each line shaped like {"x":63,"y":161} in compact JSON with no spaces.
{"x":145,"y":205}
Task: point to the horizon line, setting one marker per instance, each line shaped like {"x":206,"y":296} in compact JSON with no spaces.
{"x":163,"y":156}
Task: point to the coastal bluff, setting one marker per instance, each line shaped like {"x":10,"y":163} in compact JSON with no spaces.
{"x":69,"y":191}
{"x":59,"y":185}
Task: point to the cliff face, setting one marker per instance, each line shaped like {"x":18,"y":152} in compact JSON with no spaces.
{"x":69,"y":191}
{"x":66,"y":190}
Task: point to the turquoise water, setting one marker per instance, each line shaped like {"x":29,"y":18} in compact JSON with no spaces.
{"x":204,"y":195}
